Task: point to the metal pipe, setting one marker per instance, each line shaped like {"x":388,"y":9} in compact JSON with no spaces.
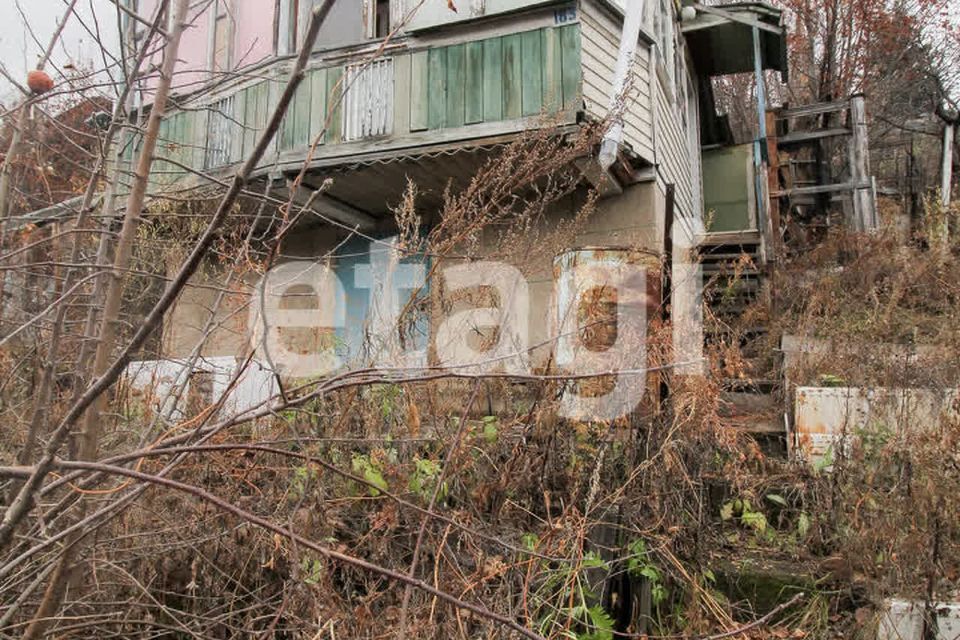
{"x":633,"y":17}
{"x":946,"y":173}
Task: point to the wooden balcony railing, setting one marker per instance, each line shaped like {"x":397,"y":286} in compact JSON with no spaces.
{"x":404,"y":100}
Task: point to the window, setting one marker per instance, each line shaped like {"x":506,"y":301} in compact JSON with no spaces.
{"x":288,"y":26}
{"x":368,"y":100}
{"x":382,"y":19}
{"x":664,"y":36}
{"x":221,"y":36}
{"x":376,"y":17}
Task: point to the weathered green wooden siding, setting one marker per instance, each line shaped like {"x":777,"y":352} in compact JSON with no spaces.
{"x":502,"y":78}
{"x":495,"y":79}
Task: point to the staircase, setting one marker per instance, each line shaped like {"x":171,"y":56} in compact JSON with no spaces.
{"x":733,"y":275}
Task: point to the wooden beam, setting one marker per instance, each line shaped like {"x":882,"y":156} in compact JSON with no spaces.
{"x":329,"y":207}
{"x":817,"y":134}
{"x":735,"y":17}
{"x":825,"y":188}
{"x":812,"y":109}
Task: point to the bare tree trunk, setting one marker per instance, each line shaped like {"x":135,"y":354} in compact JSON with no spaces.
{"x":42,"y":395}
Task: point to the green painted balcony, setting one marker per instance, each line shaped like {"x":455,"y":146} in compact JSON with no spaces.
{"x":356,"y":109}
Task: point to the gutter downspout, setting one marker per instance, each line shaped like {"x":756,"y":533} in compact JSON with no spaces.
{"x":946,"y":172}
{"x":633,"y":17}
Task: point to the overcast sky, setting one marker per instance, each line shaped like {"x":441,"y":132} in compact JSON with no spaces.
{"x":19,"y":52}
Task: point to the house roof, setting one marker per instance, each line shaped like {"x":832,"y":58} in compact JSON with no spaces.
{"x":721,"y":38}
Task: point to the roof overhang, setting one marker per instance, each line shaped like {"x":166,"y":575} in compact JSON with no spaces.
{"x":721,"y":38}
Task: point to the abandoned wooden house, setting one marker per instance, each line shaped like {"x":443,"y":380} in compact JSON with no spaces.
{"x":401,"y":92}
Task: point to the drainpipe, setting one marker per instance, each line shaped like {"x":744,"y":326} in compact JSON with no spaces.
{"x":632,"y":19}
{"x":946,"y":174}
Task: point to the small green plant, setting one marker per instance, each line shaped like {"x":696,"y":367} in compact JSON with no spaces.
{"x":583,"y":619}
{"x":312,"y":570}
{"x":743,"y":512}
{"x":423,"y":481}
{"x":302,"y":477}
{"x":639,"y":565}
{"x":490,"y":430}
{"x":364,"y":467}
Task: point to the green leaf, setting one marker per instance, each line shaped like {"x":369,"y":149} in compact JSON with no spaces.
{"x":374,"y":477}
{"x":530,"y":541}
{"x":755,"y":520}
{"x":710,"y":576}
{"x":658,"y":593}
{"x":777,"y":499}
{"x":726,"y":511}
{"x":602,"y":624}
{"x":650,"y":573}
{"x":594,"y":561}
{"x":803,"y":524}
{"x":490,"y":431}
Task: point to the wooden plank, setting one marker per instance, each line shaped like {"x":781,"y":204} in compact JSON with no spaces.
{"x":492,"y":79}
{"x":249,"y":99}
{"x":456,"y":85}
{"x":318,"y":104}
{"x":531,"y":49}
{"x":570,"y":66}
{"x":552,"y":69}
{"x":512,"y":71}
{"x":270,"y":97}
{"x":419,"y":91}
{"x":807,"y":136}
{"x":334,"y":90}
{"x":825,"y":188}
{"x":437,"y":92}
{"x":301,"y":115}
{"x":812,"y":109}
{"x":473,"y":93}
{"x":401,"y":95}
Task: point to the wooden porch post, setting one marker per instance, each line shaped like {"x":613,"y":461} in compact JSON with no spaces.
{"x":864,"y":207}
{"x":759,"y":151}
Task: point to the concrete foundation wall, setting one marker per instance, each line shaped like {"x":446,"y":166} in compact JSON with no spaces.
{"x":631,"y":221}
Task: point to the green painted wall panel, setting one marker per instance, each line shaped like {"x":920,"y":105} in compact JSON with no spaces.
{"x":571,"y":69}
{"x":489,"y":80}
{"x":552,"y":69}
{"x":318,"y":103}
{"x":288,"y":130}
{"x":419,"y":91}
{"x":727,"y":187}
{"x":301,"y":111}
{"x":437,"y":80}
{"x":456,"y":85}
{"x":512,"y":72}
{"x":492,"y":79}
{"x":334,"y":89}
{"x":531,"y":50}
{"x":474,"y":83}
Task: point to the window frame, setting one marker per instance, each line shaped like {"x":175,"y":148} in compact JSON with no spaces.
{"x":221,"y":10}
{"x":288,"y":25}
{"x":371,"y":24}
{"x":659,"y":20}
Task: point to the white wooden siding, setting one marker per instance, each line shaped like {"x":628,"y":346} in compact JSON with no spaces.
{"x":600,"y":42}
{"x":222,"y":132}
{"x":674,"y":154}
